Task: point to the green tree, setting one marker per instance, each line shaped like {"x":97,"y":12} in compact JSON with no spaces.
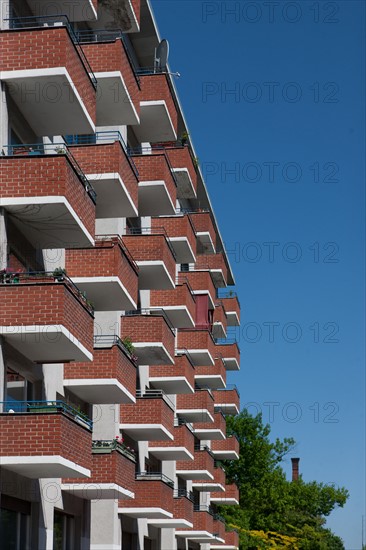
{"x":270,"y":505}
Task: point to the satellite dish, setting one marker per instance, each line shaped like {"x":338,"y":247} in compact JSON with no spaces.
{"x":161,"y":56}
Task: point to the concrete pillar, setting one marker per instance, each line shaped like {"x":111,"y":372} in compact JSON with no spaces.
{"x":106,"y":533}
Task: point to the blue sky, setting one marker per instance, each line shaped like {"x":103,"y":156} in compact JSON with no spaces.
{"x":283,"y":158}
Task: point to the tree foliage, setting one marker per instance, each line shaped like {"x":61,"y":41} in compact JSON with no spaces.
{"x":274,"y":512}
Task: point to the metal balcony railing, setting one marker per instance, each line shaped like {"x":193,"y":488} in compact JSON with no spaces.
{"x":109,"y":340}
{"x":203,"y":508}
{"x":31,"y":407}
{"x":148,"y":393}
{"x":33,"y":149}
{"x":51,"y":21}
{"x":155,"y":476}
{"x":180,"y":493}
{"x":45,"y":277}
{"x":103,"y":446}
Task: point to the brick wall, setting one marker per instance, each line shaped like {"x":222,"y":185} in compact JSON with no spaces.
{"x":180,"y":157}
{"x":45,"y":434}
{"x":232,"y":538}
{"x":46,"y":176}
{"x":227,"y":396}
{"x":108,"y":158}
{"x":196,"y":339}
{"x":107,"y":363}
{"x":148,"y":328}
{"x":218,"y":423}
{"x":218,"y":369}
{"x":199,"y":400}
{"x":200,"y":280}
{"x":219,"y":528}
{"x":202,"y":223}
{"x":183,"y":437}
{"x":107,"y":259}
{"x":228,"y":351}
{"x":150,"y":494}
{"x":156,"y":168}
{"x":231,"y":304}
{"x":220,"y":315}
{"x":183,"y":509}
{"x":202,"y":461}
{"x":46,"y":304}
{"x":179,"y":296}
{"x":181,"y":368}
{"x":47,"y":48}
{"x":156,"y":88}
{"x":212,"y":261}
{"x":231,"y":491}
{"x":177,"y":226}
{"x":228,"y":444}
{"x":148,"y":411}
{"x":151,"y":248}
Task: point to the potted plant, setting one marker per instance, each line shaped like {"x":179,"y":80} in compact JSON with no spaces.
{"x":59,"y":274}
{"x":184,"y":138}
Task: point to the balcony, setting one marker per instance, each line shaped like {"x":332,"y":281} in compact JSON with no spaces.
{"x":226,"y":449}
{"x":227,"y":400}
{"x":181,"y":236}
{"x":202,"y":283}
{"x":109,"y":378}
{"x":153,"y":497}
{"x":184,"y":167}
{"x":216,"y":484}
{"x":183,"y":507}
{"x":173,"y":379}
{"x":219,"y":321}
{"x":151,"y":334}
{"x":231,"y":542}
{"x":107,"y":274}
{"x":40,"y":184}
{"x":211,"y":430}
{"x":45,"y":318}
{"x":202,"y":531}
{"x":197,"y":407}
{"x":118,"y":100}
{"x":44,"y":439}
{"x":215,"y":263}
{"x":219,"y":528}
{"x":229,"y":497}
{"x":211,"y":377}
{"x":158,"y":114}
{"x":150,"y":419}
{"x":124,"y":15}
{"x":82,"y":10}
{"x":199,"y":344}
{"x":112,"y":474}
{"x":205,"y":232}
{"x":157,"y":188}
{"x":54,"y":93}
{"x":201,"y":468}
{"x":110,"y":170}
{"x":154,"y":257}
{"x":232,"y":308}
{"x":230,"y":354}
{"x":182,"y":448}
{"x":179,"y":304}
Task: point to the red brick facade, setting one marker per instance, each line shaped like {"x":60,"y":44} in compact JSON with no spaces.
{"x":202,"y":461}
{"x":202,"y":223}
{"x":181,"y":368}
{"x":181,"y":295}
{"x":148,"y":328}
{"x":196,"y":339}
{"x":155,"y":87}
{"x":176,"y":226}
{"x":148,"y":411}
{"x":199,"y":400}
{"x":183,"y":437}
{"x":151,"y":248}
{"x":156,"y":168}
{"x":150,"y":494}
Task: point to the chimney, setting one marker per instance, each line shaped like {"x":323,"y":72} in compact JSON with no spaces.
{"x":295,"y":468}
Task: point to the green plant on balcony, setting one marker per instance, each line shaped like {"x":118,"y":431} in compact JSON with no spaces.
{"x":196,"y":162}
{"x":127,"y":342}
{"x":184,"y":138}
{"x":59,"y":274}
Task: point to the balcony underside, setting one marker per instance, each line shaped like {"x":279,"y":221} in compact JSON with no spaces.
{"x":212,"y":381}
{"x":152,"y":353}
{"x":100,"y":391}
{"x":48,"y":222}
{"x":183,"y":250}
{"x":154,"y":199}
{"x":114,"y":200}
{"x":97,"y":491}
{"x":170,"y":453}
{"x":147,"y":513}
{"x":223,"y":547}
{"x":174,"y":523}
{"x":232,"y":319}
{"x":46,"y":343}
{"x":206,"y":242}
{"x":201,"y":357}
{"x":43,"y":466}
{"x":53,"y":104}
{"x":231,"y":363}
{"x":218,"y":330}
{"x":171,"y":385}
{"x":178,"y":316}
{"x":121,"y":14}
{"x":153,"y":275}
{"x":201,"y":475}
{"x":225,"y":454}
{"x":147,"y":432}
{"x":82,"y":10}
{"x":114,"y":104}
{"x":155,"y":123}
{"x":196,"y":536}
{"x":228,"y":501}
{"x":227,"y":408}
{"x":213,"y":434}
{"x":105,"y":293}
{"x":218,"y":278}
{"x":208,"y":487}
{"x":185,"y":187}
{"x":195,"y":415}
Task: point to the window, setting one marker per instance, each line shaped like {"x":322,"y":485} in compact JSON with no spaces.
{"x":63,"y":531}
{"x":14,"y":524}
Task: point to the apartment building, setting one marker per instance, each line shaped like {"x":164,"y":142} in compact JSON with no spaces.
{"x":115,"y":297}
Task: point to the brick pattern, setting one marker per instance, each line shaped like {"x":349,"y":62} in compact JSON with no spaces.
{"x":111,"y":57}
{"x":232,"y":538}
{"x":148,"y":328}
{"x":231,"y":491}
{"x":183,"y":437}
{"x":218,"y":424}
{"x":136,"y":5}
{"x":228,"y":444}
{"x":202,"y":521}
{"x":231,"y":304}
{"x":45,"y":434}
{"x":228,"y":351}
{"x":156,"y":88}
{"x":212,"y":261}
{"x":200,"y":280}
{"x":182,"y":368}
{"x":110,"y":468}
{"x":46,"y":304}
{"x":177,"y":226}
{"x":180,"y":157}
{"x":108,"y":158}
{"x":106,"y":259}
{"x":150,"y":494}
{"x":227,"y":396}
{"x":219,"y":528}
{"x":151,"y":248}
{"x":202,"y":461}
{"x":183,"y":509}
{"x":43,"y":177}
{"x":202,"y":223}
{"x":107,"y":363}
{"x":46,"y":48}
{"x":196,"y":339}
{"x":199,"y":400}
{"x":219,"y":315}
{"x":156,"y":168}
{"x":148,"y":411}
{"x":178,"y":296}
{"x":218,"y":369}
